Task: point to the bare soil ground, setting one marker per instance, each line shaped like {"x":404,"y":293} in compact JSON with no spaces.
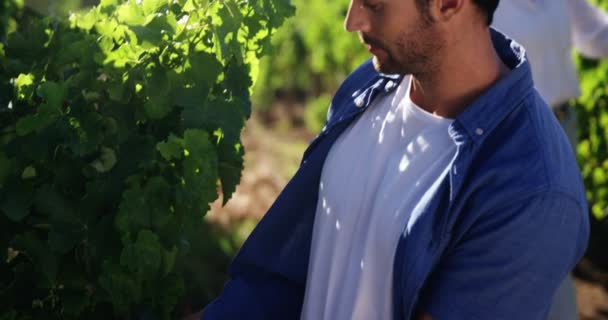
{"x":592,"y":300}
{"x":591,"y":291}
{"x":272,"y":157}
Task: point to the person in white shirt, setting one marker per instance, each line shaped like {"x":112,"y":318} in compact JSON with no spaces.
{"x":549,"y":30}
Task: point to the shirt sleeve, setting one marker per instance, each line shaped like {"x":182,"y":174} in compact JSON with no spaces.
{"x":256,"y":296}
{"x":509,"y":263}
{"x":589,"y":28}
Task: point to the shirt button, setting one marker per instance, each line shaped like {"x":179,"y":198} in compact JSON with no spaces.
{"x":389,"y":85}
{"x":479,"y":131}
{"x":359,"y":101}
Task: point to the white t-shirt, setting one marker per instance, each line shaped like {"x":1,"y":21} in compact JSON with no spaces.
{"x":383,"y":170}
{"x":548,"y":30}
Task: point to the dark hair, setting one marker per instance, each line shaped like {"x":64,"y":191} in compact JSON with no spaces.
{"x":486,"y":6}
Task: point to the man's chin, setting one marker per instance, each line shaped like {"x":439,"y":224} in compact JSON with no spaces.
{"x":384,"y":66}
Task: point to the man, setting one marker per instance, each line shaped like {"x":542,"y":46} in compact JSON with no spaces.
{"x":441,"y":187}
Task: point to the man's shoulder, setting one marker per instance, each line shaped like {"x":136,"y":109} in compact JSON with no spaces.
{"x":530,"y":151}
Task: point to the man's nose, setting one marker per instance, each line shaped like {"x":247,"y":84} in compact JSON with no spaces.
{"x":356,"y":18}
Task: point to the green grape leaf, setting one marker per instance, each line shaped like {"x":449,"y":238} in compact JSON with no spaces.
{"x":119,"y":92}
{"x":42,"y":258}
{"x":157,"y":107}
{"x":284,"y":9}
{"x":145,"y":206}
{"x":230,"y":176}
{"x":120,"y":286}
{"x":172,"y":57}
{"x":158,"y":91}
{"x":144,"y":256}
{"x":24,"y":84}
{"x":231,"y":163}
{"x":127,"y":53}
{"x":29,"y":43}
{"x":86,"y":21}
{"x":106,"y":160}
{"x":106,"y":27}
{"x":28,"y":173}
{"x":132,"y":213}
{"x":66,"y":226}
{"x":7,"y":167}
{"x":204,"y":69}
{"x":169,"y":257}
{"x":35,"y":122}
{"x":108,"y":3}
{"x":227,"y":24}
{"x":74,"y":304}
{"x":152,"y":6}
{"x":172,"y":290}
{"x":58,"y":207}
{"x":200,"y":172}
{"x":192,"y":100}
{"x":238,"y":81}
{"x":54,"y":93}
{"x":152,"y":33}
{"x":62,"y":241}
{"x":16,"y":201}
{"x":193,"y":115}
{"x":131,"y":13}
{"x":172,"y":148}
{"x":159,"y":196}
{"x":227,"y":116}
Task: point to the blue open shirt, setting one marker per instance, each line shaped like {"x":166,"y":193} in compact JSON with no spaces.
{"x":505,"y":227}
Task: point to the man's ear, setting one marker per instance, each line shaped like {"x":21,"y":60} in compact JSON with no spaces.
{"x":444,"y":10}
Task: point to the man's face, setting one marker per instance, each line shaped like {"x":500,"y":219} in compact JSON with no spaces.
{"x":398,"y":33}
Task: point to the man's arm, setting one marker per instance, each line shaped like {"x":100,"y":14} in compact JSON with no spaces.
{"x":509,"y":263}
{"x":256,"y":295}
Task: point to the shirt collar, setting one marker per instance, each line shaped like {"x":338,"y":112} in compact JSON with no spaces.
{"x":482,"y":116}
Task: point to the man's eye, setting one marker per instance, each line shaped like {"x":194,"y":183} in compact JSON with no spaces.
{"x":373,"y":6}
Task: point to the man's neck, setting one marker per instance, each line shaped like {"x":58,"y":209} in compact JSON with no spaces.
{"x":459,"y":78}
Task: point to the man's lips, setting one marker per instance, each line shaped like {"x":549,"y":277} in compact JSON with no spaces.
{"x":371,"y":45}
{"x":373,"y":49}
